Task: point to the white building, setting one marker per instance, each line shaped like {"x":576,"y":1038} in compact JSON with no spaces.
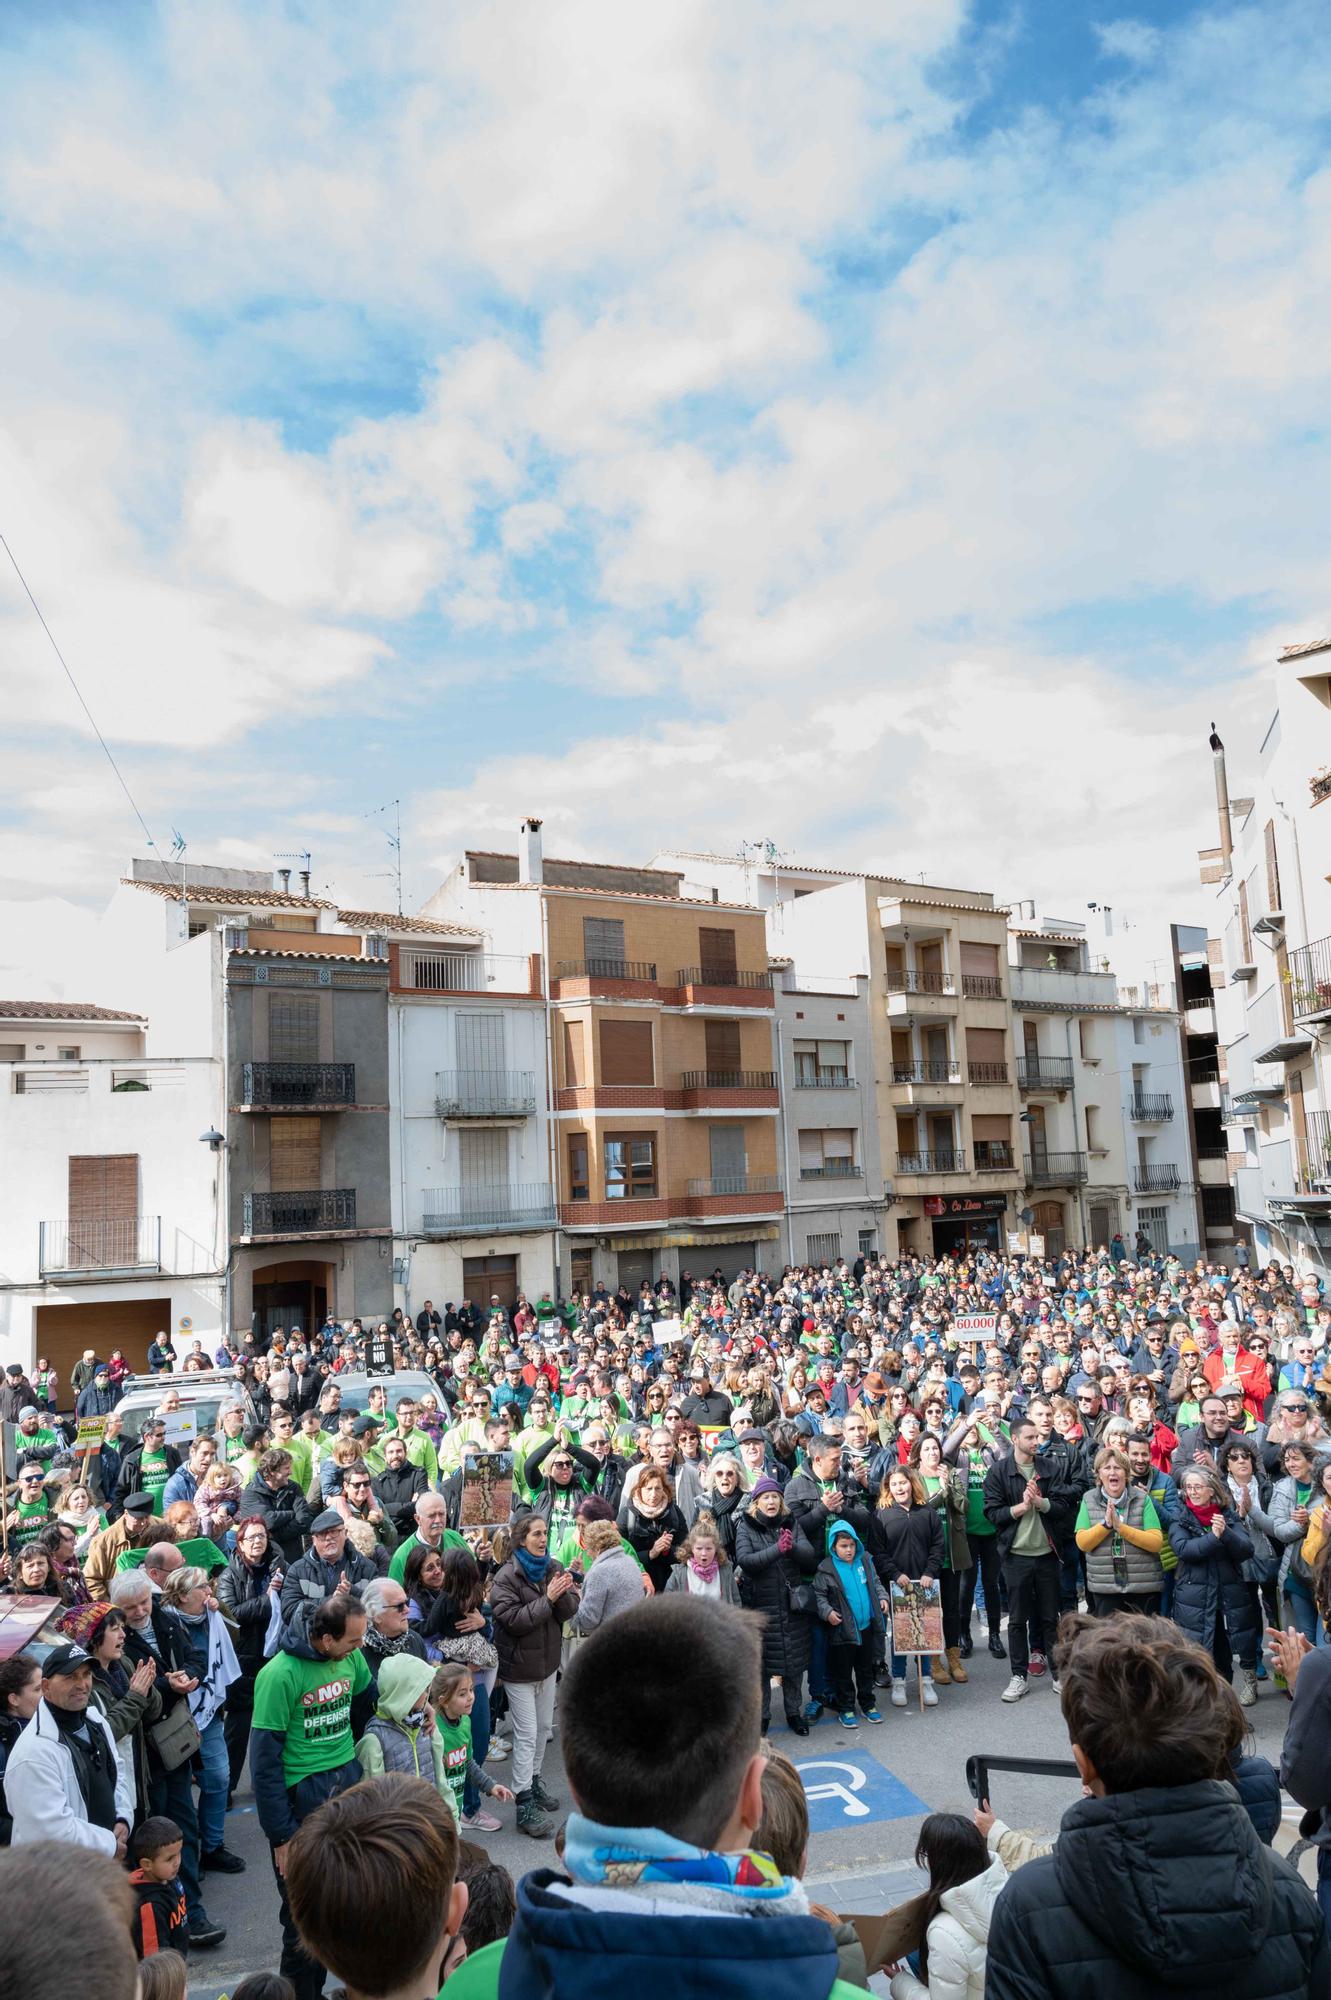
{"x":473,"y":1198}
{"x":1270,"y":924}
{"x":1105,"y":1102}
{"x":831,"y":1167}
{"x":110,"y":1225}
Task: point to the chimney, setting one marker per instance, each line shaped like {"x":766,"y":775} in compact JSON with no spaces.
{"x":530,"y":868}
{"x":1222,"y":804}
{"x":305,"y":883}
{"x":284,"y":880}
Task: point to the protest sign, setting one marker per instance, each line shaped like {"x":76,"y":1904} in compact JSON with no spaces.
{"x":974,"y":1326}
{"x":487,"y":1489}
{"x":917,"y":1618}
{"x":89,"y":1435}
{"x":666,"y":1330}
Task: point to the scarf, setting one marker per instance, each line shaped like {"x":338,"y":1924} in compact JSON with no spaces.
{"x":94,"y":1763}
{"x":1206,"y":1513}
{"x":635,"y":1856}
{"x":534,"y":1568}
{"x":705,"y":1572}
{"x":381,"y":1645}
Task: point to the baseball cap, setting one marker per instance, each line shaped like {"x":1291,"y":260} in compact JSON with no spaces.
{"x":752,"y":1435}
{"x":364,"y":1425}
{"x":65,"y":1660}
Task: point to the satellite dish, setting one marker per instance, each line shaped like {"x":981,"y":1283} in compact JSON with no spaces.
{"x":1028,"y":1216}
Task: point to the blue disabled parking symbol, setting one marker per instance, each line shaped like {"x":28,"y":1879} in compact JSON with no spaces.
{"x":843,"y":1792}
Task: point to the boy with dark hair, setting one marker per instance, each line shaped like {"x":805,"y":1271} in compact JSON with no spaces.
{"x":160,"y":1921}
{"x":371,"y":1883}
{"x":660,"y":1716}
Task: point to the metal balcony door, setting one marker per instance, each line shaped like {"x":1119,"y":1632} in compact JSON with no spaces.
{"x":480,"y":1045}
{"x":729,"y":1160}
{"x":483,"y":1158}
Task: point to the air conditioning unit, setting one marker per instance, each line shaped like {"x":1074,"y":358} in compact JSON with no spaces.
{"x":236,"y":937}
{"x":374,"y":945}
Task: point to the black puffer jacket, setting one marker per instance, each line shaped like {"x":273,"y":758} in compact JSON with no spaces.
{"x":242,"y":1592}
{"x":1209,"y":1575}
{"x":906,"y":1541}
{"x":285,"y":1513}
{"x":1158,"y":1892}
{"x":765,"y":1581}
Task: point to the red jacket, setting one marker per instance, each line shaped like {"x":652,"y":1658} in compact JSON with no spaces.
{"x":1252,"y":1373}
{"x":1164,"y":1443}
{"x":547,"y":1373}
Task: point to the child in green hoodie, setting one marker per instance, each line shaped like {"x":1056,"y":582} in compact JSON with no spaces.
{"x":402,"y":1734}
{"x":453,"y":1694}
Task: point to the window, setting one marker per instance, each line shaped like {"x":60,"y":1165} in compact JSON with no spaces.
{"x":722,"y":1048}
{"x":630,"y":1166}
{"x":1138,"y":1028}
{"x":603,"y":944}
{"x":1272,"y":867}
{"x":827,"y":1155}
{"x":822,"y":1065}
{"x":197,"y":927}
{"x":824,"y":1249}
{"x":579,"y":1186}
{"x":11,"y":1051}
{"x":1092,"y":1128}
{"x":1086,"y":1041}
{"x":626,"y":1052}
{"x":716,"y":954}
{"x":986,"y":1055}
{"x":991,"y":1137}
{"x":480,"y":1042}
{"x":575,"y":1057}
{"x":868,"y":1240}
{"x":1154,"y":1223}
{"x":293,"y":1032}
{"x":69,"y":1054}
{"x":294,"y":1156}
{"x":1217,"y":1207}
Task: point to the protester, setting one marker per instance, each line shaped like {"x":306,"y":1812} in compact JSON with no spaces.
{"x":1120,"y":1534}
{"x":776,"y":1563}
{"x":63,"y":1779}
{"x":20,"y":1692}
{"x":852,"y":1604}
{"x":532,"y":1598}
{"x":1213,"y":1603}
{"x":906,"y":1542}
{"x":211,"y":1660}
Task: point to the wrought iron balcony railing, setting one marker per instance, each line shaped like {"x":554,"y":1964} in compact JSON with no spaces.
{"x":299,"y":1213}
{"x":294,"y":1086}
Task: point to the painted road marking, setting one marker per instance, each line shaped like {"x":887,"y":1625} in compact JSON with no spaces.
{"x":848,"y":1791}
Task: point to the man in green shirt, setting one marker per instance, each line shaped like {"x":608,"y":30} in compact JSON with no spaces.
{"x":303,"y":1744}
{"x":33,"y":1438}
{"x":432,"y":1530}
{"x":31,"y":1515}
{"x":420,"y":1450}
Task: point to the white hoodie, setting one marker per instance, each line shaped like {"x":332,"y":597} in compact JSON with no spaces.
{"x":958,"y":1942}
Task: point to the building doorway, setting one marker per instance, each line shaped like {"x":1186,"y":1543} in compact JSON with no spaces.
{"x":1049,"y":1224}
{"x":486,"y":1278}
{"x":955,"y":1236}
{"x":295,"y":1296}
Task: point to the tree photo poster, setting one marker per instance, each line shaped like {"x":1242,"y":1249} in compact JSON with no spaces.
{"x":917,"y":1618}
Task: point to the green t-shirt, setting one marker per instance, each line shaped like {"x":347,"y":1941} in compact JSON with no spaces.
{"x":154,"y":1471}
{"x":456,"y":1739}
{"x":33,"y":1516}
{"x":309,"y":1703}
{"x":397,"y":1569}
{"x":977,"y":1521}
{"x":40,"y":1443}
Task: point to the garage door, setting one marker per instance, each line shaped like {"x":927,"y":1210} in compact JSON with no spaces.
{"x":64,"y":1331}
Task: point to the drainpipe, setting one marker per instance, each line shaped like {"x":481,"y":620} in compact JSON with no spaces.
{"x":1076,"y":1125}
{"x":550,"y":1127}
{"x":785,"y":1137}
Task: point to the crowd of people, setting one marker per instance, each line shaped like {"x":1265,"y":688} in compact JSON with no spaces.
{"x":845,"y":1479}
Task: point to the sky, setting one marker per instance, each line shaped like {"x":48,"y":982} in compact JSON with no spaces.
{"x":894,"y":429}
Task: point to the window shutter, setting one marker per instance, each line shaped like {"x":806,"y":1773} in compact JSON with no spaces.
{"x":990,"y":1125}
{"x":603,"y":940}
{"x":294,"y":1165}
{"x":726,"y":1147}
{"x":293,"y":1032}
{"x":832,"y":1055}
{"x":626,"y":1052}
{"x":985,"y":1045}
{"x":716,"y":950}
{"x":575,"y":1056}
{"x":838,"y":1145}
{"x":811,"y":1149}
{"x":103,"y":1187}
{"x":484,"y":1158}
{"x":981,"y":959}
{"x":722,"y":1039}
{"x":1272,"y":867}
{"x":480,"y":1041}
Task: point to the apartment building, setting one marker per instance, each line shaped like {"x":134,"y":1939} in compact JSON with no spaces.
{"x":1270,"y":921}
{"x":663,"y":1074}
{"x":1198,"y":975}
{"x":834,"y":1204}
{"x":1104,"y":1101}
{"x":473,"y":1196}
{"x":933,"y":961}
{"x":110,"y":1224}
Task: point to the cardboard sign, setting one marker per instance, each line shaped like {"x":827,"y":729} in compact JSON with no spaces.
{"x":1037,"y":1246}
{"x":974,"y":1326}
{"x":666,"y":1330}
{"x":487,"y":1489}
{"x":1016,"y":1243}
{"x":180,"y":1427}
{"x":887,"y":1939}
{"x":379,"y":1355}
{"x":88,"y":1437}
{"x":917,"y":1618}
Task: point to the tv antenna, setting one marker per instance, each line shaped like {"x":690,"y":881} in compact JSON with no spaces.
{"x":394,"y":840}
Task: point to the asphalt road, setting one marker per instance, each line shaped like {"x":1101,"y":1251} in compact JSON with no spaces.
{"x":869,"y":1789}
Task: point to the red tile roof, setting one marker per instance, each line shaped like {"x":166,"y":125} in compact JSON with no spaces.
{"x":228,"y":899}
{"x":62,"y":1010}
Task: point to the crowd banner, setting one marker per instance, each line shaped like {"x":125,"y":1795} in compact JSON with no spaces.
{"x":666,"y":1330}
{"x":975,"y":1326}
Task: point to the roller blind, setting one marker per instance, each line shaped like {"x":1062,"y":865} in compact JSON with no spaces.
{"x":294,"y":1154}
{"x":626,"y":1052}
{"x":979,"y":958}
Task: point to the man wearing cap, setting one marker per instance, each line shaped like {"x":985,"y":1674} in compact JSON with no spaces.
{"x":98,"y":1398}
{"x":705,"y":1406}
{"x":64,"y":1780}
{"x":129,"y":1531}
{"x":329,"y":1567}
{"x":16,"y":1393}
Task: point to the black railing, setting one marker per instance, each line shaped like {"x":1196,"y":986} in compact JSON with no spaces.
{"x":981,"y":986}
{"x":920,"y":982}
{"x":128,"y":1243}
{"x":1055,"y":1169}
{"x":485,"y":1093}
{"x":1044,"y":1072}
{"x":297,"y":1214}
{"x":638,"y":971}
{"x":294,"y":1086}
{"x":987,"y":1072}
{"x":1151,"y":1107}
{"x":833,"y":1170}
{"x":1310,"y":980}
{"x":722,"y":975}
{"x":1318,"y":1145}
{"x":728,"y":1079}
{"x":944,"y":1162}
{"x":824,"y":1079}
{"x":926,"y":1072}
{"x":1320,"y":787}
{"x":1213,"y":1152}
{"x":1155,"y":1180}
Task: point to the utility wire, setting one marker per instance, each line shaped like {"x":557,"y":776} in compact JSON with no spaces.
{"x":79,"y":693}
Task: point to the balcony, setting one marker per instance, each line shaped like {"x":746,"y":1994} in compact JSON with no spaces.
{"x":714,"y":1186}
{"x":297,"y":1086}
{"x":825,"y":1079}
{"x":833,"y":1170}
{"x":981,"y":986}
{"x":1310,"y":981}
{"x":926,"y":1072}
{"x":1044,"y":1073}
{"x":1055,"y":1169}
{"x":1320,"y":787}
{"x":721,"y":1089}
{"x":1213,"y":1165}
{"x":421,"y":971}
{"x":1151,"y":1108}
{"x":74,"y":1249}
{"x":1157,"y":1180}
{"x":1060,"y":989}
{"x":921,"y":982}
{"x":1316,"y":1162}
{"x":992,"y":1156}
{"x":951,"y":1161}
{"x":464,"y":1211}
{"x":305,"y":1212}
{"x":621,"y":971}
{"x":484,"y":1093}
{"x":987,"y":1072}
{"x":723,"y":985}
